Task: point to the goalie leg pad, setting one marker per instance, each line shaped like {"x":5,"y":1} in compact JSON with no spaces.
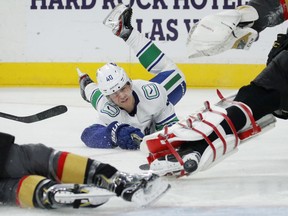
{"x":196,"y":127}
{"x":199,"y":127}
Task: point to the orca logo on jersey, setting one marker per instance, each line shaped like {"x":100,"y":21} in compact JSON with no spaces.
{"x":150,"y":91}
{"x":110,"y":109}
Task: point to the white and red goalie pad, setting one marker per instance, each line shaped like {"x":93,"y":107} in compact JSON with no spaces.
{"x":198,"y":127}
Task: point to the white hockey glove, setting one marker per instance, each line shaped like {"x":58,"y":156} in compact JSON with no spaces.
{"x":226,"y":30}
{"x":87,"y":86}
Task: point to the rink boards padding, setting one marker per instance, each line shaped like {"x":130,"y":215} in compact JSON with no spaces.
{"x":65,"y":75}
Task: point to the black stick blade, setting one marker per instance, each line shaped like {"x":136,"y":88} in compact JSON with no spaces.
{"x":54,"y":111}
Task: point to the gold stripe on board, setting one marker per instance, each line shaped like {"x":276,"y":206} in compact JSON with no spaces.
{"x":65,"y":75}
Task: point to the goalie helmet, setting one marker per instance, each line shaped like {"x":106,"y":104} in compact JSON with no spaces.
{"x":111,"y":78}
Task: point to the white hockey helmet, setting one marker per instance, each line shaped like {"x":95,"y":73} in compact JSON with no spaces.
{"x":111,"y":78}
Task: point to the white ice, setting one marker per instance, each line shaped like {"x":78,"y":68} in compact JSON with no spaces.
{"x":254,"y":181}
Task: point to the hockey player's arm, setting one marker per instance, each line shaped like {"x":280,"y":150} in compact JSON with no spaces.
{"x":112,"y":136}
{"x":168,"y":121}
{"x":271,"y":13}
{"x":89,"y":91}
{"x":165,"y":112}
{"x":148,"y":54}
{"x":166,"y":117}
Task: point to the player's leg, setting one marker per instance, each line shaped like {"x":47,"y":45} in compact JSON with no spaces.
{"x":40,"y":192}
{"x":63,"y":167}
{"x":275,"y":77}
{"x":35,"y":191}
{"x":8,"y":189}
{"x":70,"y":168}
{"x":25,"y":192}
{"x":213,"y":134}
{"x":38,"y":159}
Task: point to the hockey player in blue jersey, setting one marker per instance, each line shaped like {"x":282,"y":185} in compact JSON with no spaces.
{"x":129,"y":109}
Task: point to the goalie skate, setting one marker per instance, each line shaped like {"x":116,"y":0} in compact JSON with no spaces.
{"x":75,"y":195}
{"x":170,"y":166}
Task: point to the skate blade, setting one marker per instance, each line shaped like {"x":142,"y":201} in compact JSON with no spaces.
{"x":171,"y":173}
{"x":151,"y":193}
{"x":95,"y":196}
{"x":167,"y":171}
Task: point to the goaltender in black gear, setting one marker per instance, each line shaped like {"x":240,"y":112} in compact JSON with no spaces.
{"x":215,"y":132}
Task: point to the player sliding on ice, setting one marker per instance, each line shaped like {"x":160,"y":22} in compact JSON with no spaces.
{"x":33,"y":175}
{"x":128,"y":110}
{"x":216,"y":131}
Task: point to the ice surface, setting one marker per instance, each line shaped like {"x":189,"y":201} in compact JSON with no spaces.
{"x":254,"y":181}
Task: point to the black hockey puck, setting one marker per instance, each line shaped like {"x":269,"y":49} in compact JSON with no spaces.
{"x":144,"y":167}
{"x":190,"y":166}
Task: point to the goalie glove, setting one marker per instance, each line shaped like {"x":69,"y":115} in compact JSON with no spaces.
{"x":217,"y":33}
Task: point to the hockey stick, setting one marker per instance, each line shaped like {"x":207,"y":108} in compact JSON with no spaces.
{"x":54,"y":111}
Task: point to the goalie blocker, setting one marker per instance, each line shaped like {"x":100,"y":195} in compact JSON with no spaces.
{"x":203,"y":139}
